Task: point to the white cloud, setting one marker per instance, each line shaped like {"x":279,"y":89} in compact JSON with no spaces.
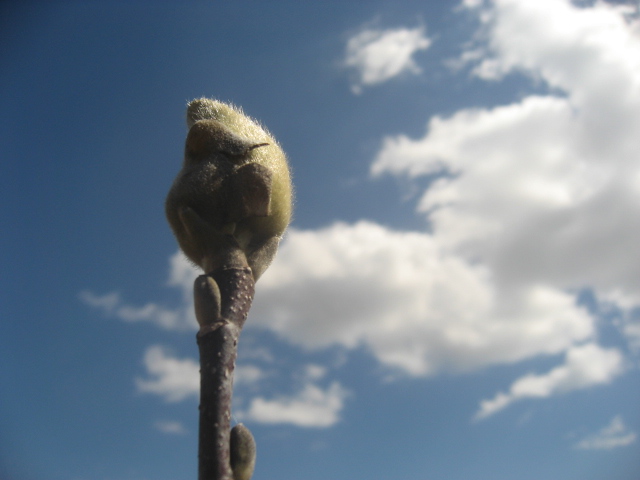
{"x":310,"y":407}
{"x":376,"y":56}
{"x":614,"y":435}
{"x":170,"y":427}
{"x":169,"y":377}
{"x":546,"y":190}
{"x":585,"y":366}
{"x":411,"y":302}
{"x":568,"y":42}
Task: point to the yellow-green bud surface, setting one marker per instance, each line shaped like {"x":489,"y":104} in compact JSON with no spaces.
{"x":234,"y":182}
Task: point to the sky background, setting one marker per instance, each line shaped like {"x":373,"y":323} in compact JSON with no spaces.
{"x":457,"y":297}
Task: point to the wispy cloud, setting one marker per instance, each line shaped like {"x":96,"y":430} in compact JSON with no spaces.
{"x":585,"y":366}
{"x":181,"y":275}
{"x":170,"y":427}
{"x":616,"y":434}
{"x":108,"y":302}
{"x":376,"y":56}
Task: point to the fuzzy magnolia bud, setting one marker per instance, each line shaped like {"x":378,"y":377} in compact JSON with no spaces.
{"x":234,"y":189}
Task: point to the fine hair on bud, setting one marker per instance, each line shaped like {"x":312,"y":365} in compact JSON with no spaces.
{"x":233,"y":190}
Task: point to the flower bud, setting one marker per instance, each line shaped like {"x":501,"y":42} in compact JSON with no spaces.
{"x":233,"y":191}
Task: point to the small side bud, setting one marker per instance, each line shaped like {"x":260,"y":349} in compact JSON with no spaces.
{"x":206,"y":300}
{"x":243,"y":452}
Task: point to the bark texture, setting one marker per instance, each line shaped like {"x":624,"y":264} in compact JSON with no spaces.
{"x":222,"y":298}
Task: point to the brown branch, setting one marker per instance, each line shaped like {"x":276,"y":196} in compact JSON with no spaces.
{"x":222,"y":301}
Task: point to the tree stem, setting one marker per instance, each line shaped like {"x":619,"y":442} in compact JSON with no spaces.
{"x":222,"y":300}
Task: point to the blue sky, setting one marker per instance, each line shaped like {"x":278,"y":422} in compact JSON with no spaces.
{"x":457,"y":296}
